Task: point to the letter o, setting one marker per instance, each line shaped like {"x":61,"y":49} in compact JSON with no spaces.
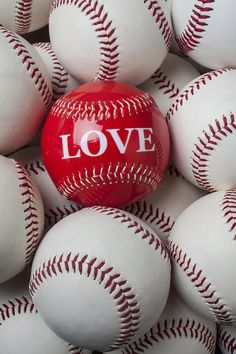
{"x":84,"y":143}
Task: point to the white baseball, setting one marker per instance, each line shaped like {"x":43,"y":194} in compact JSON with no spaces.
{"x":179,"y":330}
{"x":23,"y":16}
{"x":21,"y":218}
{"x":25,"y":91}
{"x":202,"y":247}
{"x":109,"y":274}
{"x":21,"y":328}
{"x":206,"y":31}
{"x":56,"y":207}
{"x":125,"y":40}
{"x":167,"y":82}
{"x":227,"y":339}
{"x":161,"y":208}
{"x":202,"y":124}
{"x":62,"y":82}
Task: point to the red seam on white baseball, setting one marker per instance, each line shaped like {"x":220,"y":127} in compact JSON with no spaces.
{"x":191,"y":37}
{"x":19,"y":305}
{"x":30,"y":66}
{"x":30,"y":211}
{"x":23,"y":15}
{"x":227,"y":339}
{"x":229,"y":211}
{"x":206,"y":147}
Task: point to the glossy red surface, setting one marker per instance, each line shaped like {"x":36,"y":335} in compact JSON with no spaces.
{"x":105,"y":143}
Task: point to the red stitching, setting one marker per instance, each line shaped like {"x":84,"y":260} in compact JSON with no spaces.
{"x":52,"y":216}
{"x":174,"y":328}
{"x":161,"y":79}
{"x":35,"y":167}
{"x":138,"y":229}
{"x":30,"y":212}
{"x":206,"y":144}
{"x":226,"y":340}
{"x":205,"y":289}
{"x":122,"y":293}
{"x":160,"y":19}
{"x":192,"y":35}
{"x":30,"y":65}
{"x":16,"y":306}
{"x":74,"y":350}
{"x":229,"y":210}
{"x":23,"y":16}
{"x":191,"y":90}
{"x":109,"y":49}
{"x":59,"y":76}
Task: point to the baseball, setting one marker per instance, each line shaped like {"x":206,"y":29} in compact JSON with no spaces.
{"x":125,"y":40}
{"x":167,"y":82}
{"x":21,"y":328}
{"x":206,"y":31}
{"x":160,"y":209}
{"x":117,"y":272}
{"x":56,"y":207}
{"x":62,"y":82}
{"x":21,"y":218}
{"x":105,"y":143}
{"x":227,"y":339}
{"x":23,"y":16}
{"x":203,"y":130}
{"x":201,"y":245}
{"x":179,"y":330}
{"x":25,"y":89}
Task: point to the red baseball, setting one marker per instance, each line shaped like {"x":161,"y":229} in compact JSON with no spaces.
{"x":105,"y":143}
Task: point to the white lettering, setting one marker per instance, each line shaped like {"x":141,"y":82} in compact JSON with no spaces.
{"x":142,"y":139}
{"x":114,"y":133}
{"x":65,"y":148}
{"x":85,"y":140}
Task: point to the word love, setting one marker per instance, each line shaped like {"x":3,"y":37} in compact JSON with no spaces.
{"x":143,"y":138}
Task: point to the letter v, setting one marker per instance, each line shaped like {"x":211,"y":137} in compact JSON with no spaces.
{"x":119,"y":143}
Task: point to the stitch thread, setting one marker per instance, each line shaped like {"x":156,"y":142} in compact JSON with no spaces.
{"x":193,"y":34}
{"x":229,"y":210}
{"x":226,"y":340}
{"x":206,"y":144}
{"x":160,"y":79}
{"x":16,"y":306}
{"x":172,"y":329}
{"x":160,"y":19}
{"x":206,"y":290}
{"x":23,"y":16}
{"x":110,"y":175}
{"x":59,"y":75}
{"x":70,"y":109}
{"x":74,"y":350}
{"x":29,"y":64}
{"x":137,"y":228}
{"x":30,"y":212}
{"x":97,"y":270}
{"x":191,"y":90}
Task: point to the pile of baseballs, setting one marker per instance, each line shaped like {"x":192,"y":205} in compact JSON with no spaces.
{"x":117,"y":176}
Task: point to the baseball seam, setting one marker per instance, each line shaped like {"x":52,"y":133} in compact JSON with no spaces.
{"x":193,"y":34}
{"x":16,"y":306}
{"x":30,"y":211}
{"x":96,"y":270}
{"x":163,"y":24}
{"x":29,"y":64}
{"x":226,"y":340}
{"x":23,"y":15}
{"x":205,"y":289}
{"x":193,"y":88}
{"x":164,"y":84}
{"x":70,"y":109}
{"x":59,"y":75}
{"x":172,"y":329}
{"x":229,"y":210}
{"x":207,"y":143}
{"x":74,"y":350}
{"x":137,"y":228}
{"x":52,"y":216}
{"x":113,"y":174}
